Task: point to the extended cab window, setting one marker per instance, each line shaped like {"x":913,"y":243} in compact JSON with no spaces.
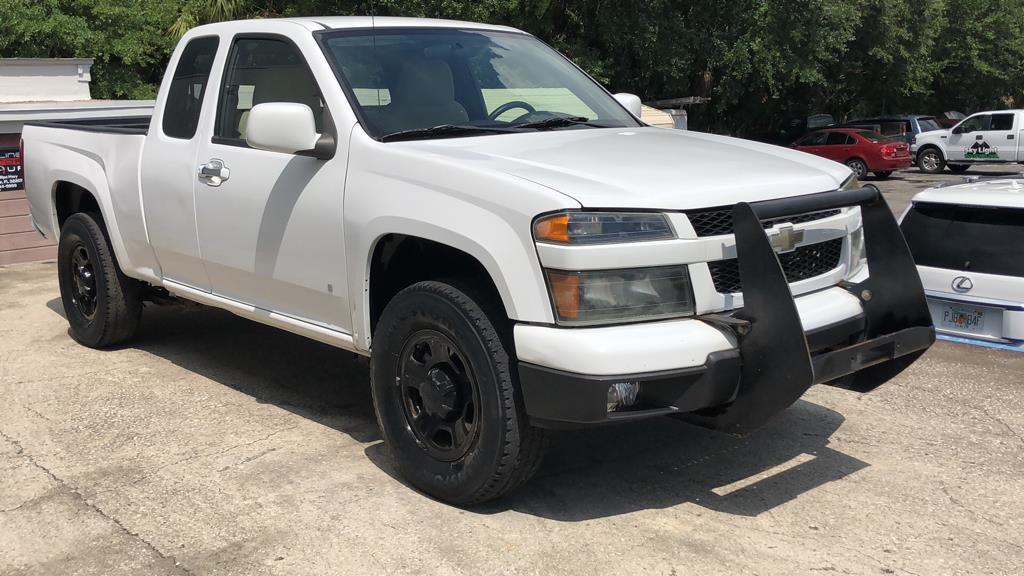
{"x":188,"y":85}
{"x":261,"y":70}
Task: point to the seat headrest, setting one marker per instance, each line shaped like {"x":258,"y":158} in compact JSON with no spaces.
{"x":425,"y":81}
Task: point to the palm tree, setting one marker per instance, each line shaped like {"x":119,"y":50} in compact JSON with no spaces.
{"x":195,"y":12}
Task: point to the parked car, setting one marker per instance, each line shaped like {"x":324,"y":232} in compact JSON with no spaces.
{"x":991,"y":137}
{"x":950,"y":118}
{"x":966,"y":240}
{"x":903,"y":126}
{"x":862,"y":151}
{"x":564,"y":266}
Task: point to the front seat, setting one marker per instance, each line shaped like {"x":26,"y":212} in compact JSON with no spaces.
{"x":424,"y":97}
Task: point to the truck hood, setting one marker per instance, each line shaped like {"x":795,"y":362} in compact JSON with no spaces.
{"x":648,"y":168}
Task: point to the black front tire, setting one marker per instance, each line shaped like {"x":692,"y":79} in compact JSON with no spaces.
{"x":958,"y":168}
{"x":102,"y":305}
{"x":501,"y":450}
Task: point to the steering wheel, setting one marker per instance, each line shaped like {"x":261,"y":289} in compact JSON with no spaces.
{"x":510,"y":106}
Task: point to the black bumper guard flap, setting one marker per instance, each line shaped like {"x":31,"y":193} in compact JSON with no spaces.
{"x":777,"y":364}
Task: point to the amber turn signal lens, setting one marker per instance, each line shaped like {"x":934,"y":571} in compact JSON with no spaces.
{"x":565,"y":287}
{"x":554,"y":228}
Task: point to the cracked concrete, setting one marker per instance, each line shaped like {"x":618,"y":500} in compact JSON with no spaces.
{"x":212,"y":445}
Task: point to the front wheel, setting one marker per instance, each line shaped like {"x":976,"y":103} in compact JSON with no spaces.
{"x":958,"y":168}
{"x":930,"y":161}
{"x":860,"y":169}
{"x":446,"y":396}
{"x":102,"y":305}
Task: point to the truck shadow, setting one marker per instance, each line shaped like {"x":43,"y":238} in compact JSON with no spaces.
{"x":587,"y":474}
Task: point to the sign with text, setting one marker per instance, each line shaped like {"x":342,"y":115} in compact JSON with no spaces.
{"x":11,"y":177}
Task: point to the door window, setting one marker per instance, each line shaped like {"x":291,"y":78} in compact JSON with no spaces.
{"x":185,"y":96}
{"x":976,"y":123}
{"x":261,"y":70}
{"x":1002,"y":122}
{"x":816,"y":139}
{"x":838,"y":138}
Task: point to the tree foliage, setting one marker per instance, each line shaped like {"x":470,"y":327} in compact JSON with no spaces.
{"x":758,"y":60}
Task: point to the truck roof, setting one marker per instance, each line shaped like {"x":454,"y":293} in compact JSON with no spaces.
{"x":314,"y":23}
{"x":996,"y":193}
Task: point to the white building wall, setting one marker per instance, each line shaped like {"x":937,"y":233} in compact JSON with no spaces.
{"x":44,"y":79}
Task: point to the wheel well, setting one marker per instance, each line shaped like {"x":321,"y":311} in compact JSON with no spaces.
{"x":71,"y":198}
{"x":400,"y":261}
{"x":930,"y":147}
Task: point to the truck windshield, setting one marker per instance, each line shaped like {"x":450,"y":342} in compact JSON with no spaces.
{"x":444,"y":83}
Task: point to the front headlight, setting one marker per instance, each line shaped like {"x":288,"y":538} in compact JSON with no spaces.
{"x":629,"y":295}
{"x":601,"y":227}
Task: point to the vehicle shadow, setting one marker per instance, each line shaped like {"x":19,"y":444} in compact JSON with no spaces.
{"x":589,"y":473}
{"x":310,"y":379}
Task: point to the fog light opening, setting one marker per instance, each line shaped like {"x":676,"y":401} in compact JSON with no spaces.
{"x":622,"y":395}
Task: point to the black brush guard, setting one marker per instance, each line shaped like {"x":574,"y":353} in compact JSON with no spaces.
{"x":777,"y":363}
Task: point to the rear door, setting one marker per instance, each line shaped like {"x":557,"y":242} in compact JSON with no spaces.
{"x":1001,"y":137}
{"x":168,"y":164}
{"x":271,"y":231}
{"x":838,"y":146}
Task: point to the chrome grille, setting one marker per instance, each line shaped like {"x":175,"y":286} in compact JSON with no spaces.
{"x":805,"y":262}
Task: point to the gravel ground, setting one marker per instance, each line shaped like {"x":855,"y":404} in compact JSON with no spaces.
{"x":213,"y":445}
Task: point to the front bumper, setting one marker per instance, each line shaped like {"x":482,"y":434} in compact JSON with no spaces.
{"x":764,"y":359}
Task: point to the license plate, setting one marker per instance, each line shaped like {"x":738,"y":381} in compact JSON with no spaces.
{"x":963,"y":318}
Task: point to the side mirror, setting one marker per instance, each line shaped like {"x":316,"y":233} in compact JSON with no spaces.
{"x":630,"y":102}
{"x":961,"y":130}
{"x":289,"y":128}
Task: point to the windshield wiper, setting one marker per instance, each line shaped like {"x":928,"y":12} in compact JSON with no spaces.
{"x":560,"y":122}
{"x":442,"y":131}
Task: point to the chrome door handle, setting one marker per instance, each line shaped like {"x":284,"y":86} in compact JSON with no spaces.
{"x":979,"y":137}
{"x":214,"y":172}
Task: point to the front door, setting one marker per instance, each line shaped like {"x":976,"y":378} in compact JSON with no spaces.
{"x":967,"y":140}
{"x":270,"y":228}
{"x":168,"y":166}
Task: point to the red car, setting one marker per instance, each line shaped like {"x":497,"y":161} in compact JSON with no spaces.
{"x":862,"y":150}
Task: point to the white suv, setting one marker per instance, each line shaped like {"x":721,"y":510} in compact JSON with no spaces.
{"x":966,"y":240}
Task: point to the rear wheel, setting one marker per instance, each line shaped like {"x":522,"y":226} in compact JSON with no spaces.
{"x":930,"y":160}
{"x":860,"y":169}
{"x":883,"y":174}
{"x":102,"y":305}
{"x":958,"y":168}
{"x":446,"y":396}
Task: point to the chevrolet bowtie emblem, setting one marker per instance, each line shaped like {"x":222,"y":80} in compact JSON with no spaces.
{"x":787,"y":238}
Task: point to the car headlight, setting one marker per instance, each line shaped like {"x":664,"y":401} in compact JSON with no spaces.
{"x":628,"y":295}
{"x":851,"y":183}
{"x":601,"y":227}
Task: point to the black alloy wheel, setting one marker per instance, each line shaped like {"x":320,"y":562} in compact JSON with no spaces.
{"x":440,"y":395}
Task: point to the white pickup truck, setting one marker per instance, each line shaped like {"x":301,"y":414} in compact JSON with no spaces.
{"x":984,"y":138}
{"x":510,"y":245}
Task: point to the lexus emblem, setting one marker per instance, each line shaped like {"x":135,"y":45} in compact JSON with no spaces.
{"x":962,"y":284}
{"x":787,"y":238}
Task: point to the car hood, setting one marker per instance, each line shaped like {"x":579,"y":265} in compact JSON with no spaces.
{"x":647,"y":168}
